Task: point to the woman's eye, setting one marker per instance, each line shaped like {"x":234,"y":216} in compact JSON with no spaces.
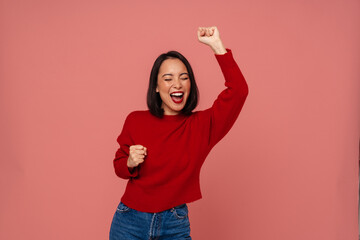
{"x":184,"y":78}
{"x":167,"y":79}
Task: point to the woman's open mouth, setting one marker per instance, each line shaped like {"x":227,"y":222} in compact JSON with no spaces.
{"x":177,"y":97}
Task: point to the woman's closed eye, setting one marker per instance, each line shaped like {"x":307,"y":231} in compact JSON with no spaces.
{"x":169,"y":79}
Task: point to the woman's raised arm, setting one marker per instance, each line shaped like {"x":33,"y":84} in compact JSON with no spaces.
{"x":226,"y":108}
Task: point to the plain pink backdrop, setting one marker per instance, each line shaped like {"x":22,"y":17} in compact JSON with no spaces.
{"x":70,"y":72}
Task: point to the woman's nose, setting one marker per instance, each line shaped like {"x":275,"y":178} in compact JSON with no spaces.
{"x":177,"y":83}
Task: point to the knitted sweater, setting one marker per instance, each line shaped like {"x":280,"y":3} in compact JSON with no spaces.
{"x":177,"y":146}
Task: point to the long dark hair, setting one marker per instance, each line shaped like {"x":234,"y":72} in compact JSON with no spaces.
{"x":153,"y":98}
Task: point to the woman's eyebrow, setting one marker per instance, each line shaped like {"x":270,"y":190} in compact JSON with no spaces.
{"x":167,"y":74}
{"x":170,"y":74}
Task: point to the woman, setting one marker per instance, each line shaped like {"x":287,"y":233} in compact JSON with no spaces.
{"x":162,"y":149}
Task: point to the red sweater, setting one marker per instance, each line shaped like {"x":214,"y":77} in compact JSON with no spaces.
{"x":177,"y":146}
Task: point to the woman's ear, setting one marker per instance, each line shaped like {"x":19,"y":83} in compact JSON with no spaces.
{"x":157,"y":90}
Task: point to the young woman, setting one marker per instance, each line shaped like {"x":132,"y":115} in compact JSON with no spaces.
{"x":162,"y":149}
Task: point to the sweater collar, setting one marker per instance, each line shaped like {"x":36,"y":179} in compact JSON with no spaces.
{"x":173,"y":117}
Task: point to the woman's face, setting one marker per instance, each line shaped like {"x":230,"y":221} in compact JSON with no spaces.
{"x":173,"y":85}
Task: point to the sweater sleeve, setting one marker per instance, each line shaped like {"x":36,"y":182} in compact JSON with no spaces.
{"x":122,"y":154}
{"x":226,"y":108}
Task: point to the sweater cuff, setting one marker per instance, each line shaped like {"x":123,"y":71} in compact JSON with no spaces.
{"x":134,"y":172}
{"x":125,"y":169}
{"x":227,"y":59}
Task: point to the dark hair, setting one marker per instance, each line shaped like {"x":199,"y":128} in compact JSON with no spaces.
{"x":153,"y":98}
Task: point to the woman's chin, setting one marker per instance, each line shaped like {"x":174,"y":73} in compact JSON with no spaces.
{"x":173,"y":111}
{"x":175,"y":108}
{"x":178,"y":108}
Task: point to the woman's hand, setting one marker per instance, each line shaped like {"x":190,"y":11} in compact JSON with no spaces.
{"x":211,"y":37}
{"x":137,"y":155}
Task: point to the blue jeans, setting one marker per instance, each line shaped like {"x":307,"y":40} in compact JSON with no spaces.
{"x":129,"y":224}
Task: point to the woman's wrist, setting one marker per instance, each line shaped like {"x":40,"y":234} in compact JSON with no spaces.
{"x":218,"y":48}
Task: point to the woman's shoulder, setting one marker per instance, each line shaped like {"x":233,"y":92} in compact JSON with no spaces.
{"x":138,"y":114}
{"x":135,"y":117}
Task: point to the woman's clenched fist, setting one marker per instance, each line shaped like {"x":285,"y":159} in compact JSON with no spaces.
{"x":208,"y":35}
{"x":137,"y":154}
{"x":211,"y":37}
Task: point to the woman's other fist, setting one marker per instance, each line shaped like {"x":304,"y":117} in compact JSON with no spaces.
{"x":137,"y":155}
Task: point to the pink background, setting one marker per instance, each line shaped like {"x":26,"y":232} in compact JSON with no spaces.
{"x":71,"y":71}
